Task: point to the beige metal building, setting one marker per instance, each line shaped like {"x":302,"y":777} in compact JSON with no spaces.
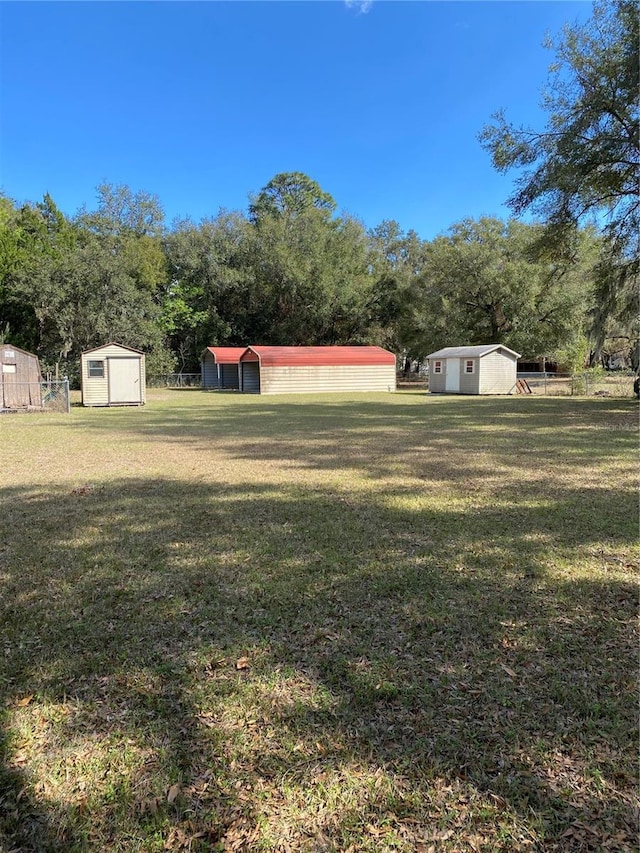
{"x":20,"y":379}
{"x":299,"y":370}
{"x":484,"y":369}
{"x":113,"y":375}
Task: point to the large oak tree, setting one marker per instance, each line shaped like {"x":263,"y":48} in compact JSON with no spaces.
{"x":583,"y":166}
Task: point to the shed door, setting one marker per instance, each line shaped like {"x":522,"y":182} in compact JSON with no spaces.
{"x":11,"y":391}
{"x":452,"y":379}
{"x":250,"y":377}
{"x":124,"y":380}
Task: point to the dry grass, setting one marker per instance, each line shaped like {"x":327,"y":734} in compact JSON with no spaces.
{"x":397,"y":623}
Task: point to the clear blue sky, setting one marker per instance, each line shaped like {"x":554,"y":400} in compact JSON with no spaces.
{"x":203,"y":103}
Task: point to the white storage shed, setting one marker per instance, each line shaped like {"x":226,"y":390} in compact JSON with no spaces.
{"x":292,"y":370}
{"x":484,"y":369}
{"x":113,"y":375}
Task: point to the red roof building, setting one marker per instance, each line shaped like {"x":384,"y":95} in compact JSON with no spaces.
{"x":219,"y":367}
{"x":288,"y":370}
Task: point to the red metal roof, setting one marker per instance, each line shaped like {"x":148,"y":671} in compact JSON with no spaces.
{"x":315,"y":356}
{"x":226,"y":355}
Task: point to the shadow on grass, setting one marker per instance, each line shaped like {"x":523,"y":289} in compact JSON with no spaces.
{"x":413,"y":431}
{"x":200,"y":658}
{"x":24,"y":822}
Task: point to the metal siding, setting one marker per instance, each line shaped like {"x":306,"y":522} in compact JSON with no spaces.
{"x":249,"y":355}
{"x":225,"y":355}
{"x":229,"y":377}
{"x":325,"y":356}
{"x":327,"y":379}
{"x":209,"y":371}
{"x":250,"y":377}
{"x":497,"y":374}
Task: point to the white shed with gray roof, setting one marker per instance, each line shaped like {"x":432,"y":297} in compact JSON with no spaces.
{"x":484,"y":369}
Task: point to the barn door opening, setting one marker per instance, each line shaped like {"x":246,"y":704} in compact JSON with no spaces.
{"x":250,"y":377}
{"x":124,"y":380}
{"x":229,"y":376}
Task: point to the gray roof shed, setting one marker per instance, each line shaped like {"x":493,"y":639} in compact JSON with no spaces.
{"x":482,"y":369}
{"x":472,"y":352}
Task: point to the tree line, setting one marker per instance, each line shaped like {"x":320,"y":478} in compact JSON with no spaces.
{"x":293,"y":270}
{"x":289,"y":271}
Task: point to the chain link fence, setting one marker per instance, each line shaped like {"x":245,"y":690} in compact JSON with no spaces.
{"x":51,"y":395}
{"x":611,"y":384}
{"x":580,"y":384}
{"x":175,"y":380}
{"x":56,"y":396}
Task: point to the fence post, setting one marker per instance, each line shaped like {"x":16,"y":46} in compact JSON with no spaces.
{"x":68,"y":395}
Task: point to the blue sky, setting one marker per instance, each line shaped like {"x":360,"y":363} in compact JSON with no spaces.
{"x":203,"y":103}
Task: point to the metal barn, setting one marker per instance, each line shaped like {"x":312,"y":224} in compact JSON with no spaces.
{"x":292,"y":370}
{"x":484,"y":369}
{"x":219,"y":367}
{"x":113,"y":375}
{"x":20,"y":379}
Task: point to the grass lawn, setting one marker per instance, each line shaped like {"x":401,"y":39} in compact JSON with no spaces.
{"x":400,"y":623}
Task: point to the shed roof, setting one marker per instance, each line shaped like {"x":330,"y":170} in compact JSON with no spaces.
{"x":315,"y":356}
{"x":12,"y":348}
{"x":226,"y":355}
{"x":113,"y":344}
{"x":472,"y":352}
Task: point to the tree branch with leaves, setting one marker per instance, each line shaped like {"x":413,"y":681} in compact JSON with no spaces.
{"x":584,"y":165}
